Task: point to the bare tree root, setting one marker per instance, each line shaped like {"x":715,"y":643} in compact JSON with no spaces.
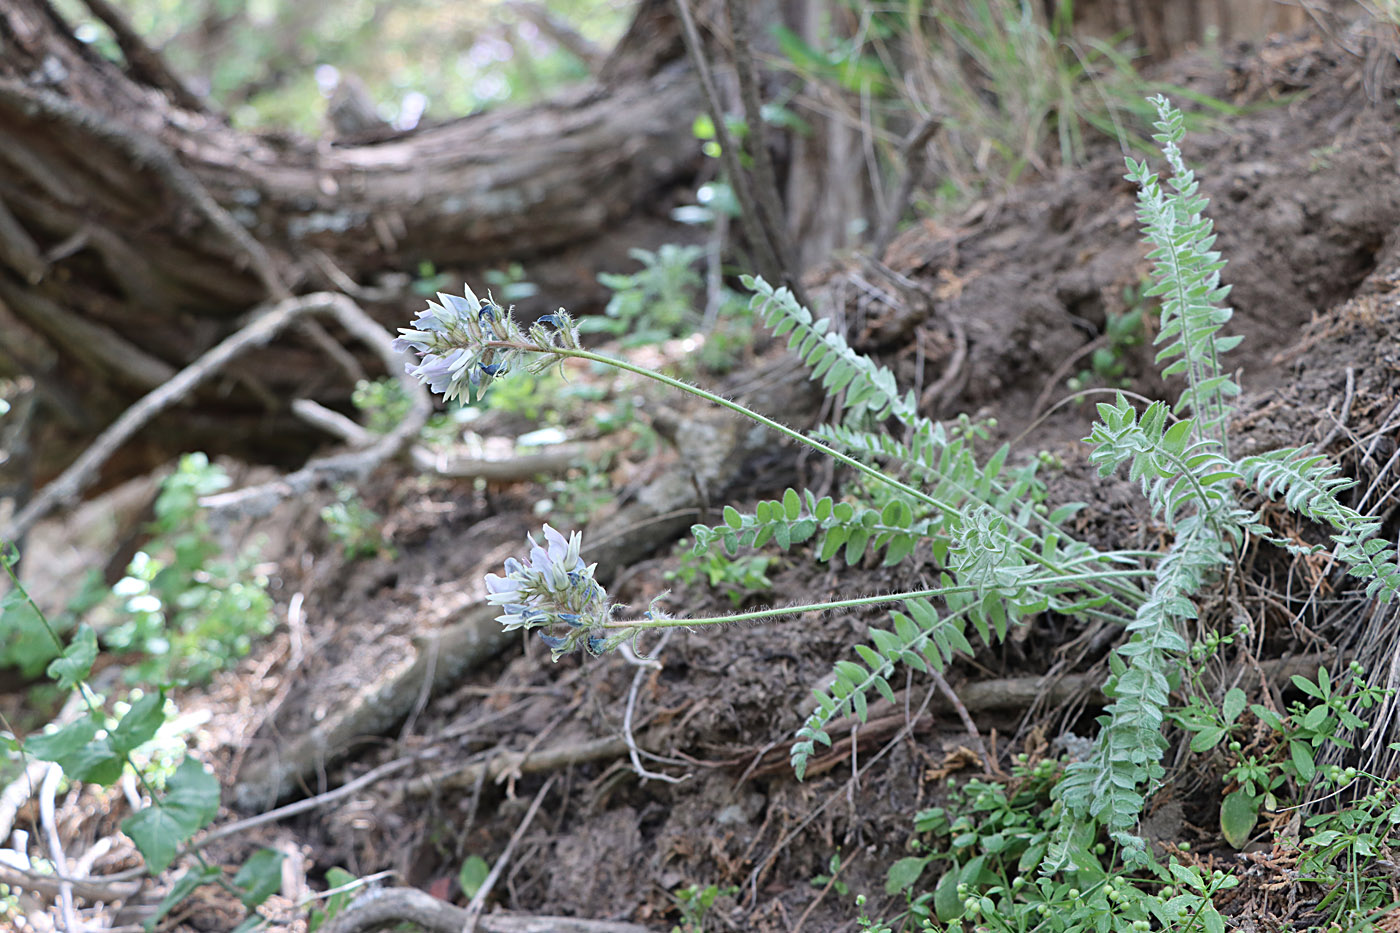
{"x":507,"y":763}
{"x":389,"y":907}
{"x":70,"y":484}
{"x":557,"y":459}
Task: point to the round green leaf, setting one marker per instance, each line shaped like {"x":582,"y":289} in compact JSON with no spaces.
{"x":1238,"y":814}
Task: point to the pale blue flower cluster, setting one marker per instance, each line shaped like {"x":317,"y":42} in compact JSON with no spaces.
{"x":452,"y":336}
{"x":464,"y":342}
{"x":555,"y":590}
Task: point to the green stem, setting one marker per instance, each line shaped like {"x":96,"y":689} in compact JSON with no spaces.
{"x":762,"y":614}
{"x":735,"y":407}
{"x":781,"y":428}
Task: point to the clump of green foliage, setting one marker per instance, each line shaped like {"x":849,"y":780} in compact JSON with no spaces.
{"x":694,"y":902}
{"x":184,"y":610}
{"x":662,"y":300}
{"x":578,"y":495}
{"x":1123,"y":334}
{"x":355,"y":526}
{"x":382,"y":402}
{"x":655,"y":303}
{"x":737,"y":577}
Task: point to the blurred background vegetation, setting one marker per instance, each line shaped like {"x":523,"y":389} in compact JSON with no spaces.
{"x":272,"y":64}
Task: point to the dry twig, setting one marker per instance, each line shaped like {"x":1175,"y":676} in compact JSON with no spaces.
{"x":263,"y":328}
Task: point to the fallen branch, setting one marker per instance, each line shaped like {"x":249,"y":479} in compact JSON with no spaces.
{"x":387,"y":907}
{"x":556,"y":459}
{"x":265,"y":326}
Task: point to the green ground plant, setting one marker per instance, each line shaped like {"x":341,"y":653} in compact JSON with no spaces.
{"x":655,"y":303}
{"x":183,"y":610}
{"x":139,"y":737}
{"x":383,"y":403}
{"x":664,"y":300}
{"x":736,"y":577}
{"x":694,"y":902}
{"x":578,"y":495}
{"x":355,"y":526}
{"x":999,"y":557}
{"x":1123,"y":334}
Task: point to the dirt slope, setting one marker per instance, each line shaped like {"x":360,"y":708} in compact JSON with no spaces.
{"x":1306,"y":196}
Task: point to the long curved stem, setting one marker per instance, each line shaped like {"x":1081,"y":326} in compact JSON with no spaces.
{"x":764,"y":614}
{"x":735,"y":407}
{"x":799,"y":437}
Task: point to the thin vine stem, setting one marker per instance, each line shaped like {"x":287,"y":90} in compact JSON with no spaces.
{"x":791,"y":433}
{"x":776,"y":612}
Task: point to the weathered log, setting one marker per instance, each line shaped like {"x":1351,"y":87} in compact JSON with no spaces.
{"x":134,"y":231}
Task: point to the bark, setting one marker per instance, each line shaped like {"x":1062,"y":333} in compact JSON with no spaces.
{"x":135,"y":233}
{"x":1162,"y":28}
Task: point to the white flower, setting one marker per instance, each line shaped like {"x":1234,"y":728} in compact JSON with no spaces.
{"x":556,"y":589}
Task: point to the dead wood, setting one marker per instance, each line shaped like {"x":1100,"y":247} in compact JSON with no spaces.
{"x":80,"y":474}
{"x":137,"y":227}
{"x":388,"y":907}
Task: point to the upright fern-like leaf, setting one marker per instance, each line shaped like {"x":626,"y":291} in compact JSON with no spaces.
{"x":1186,"y":476}
{"x":869,"y":389}
{"x":1176,"y":474}
{"x":1187,"y":274}
{"x":1308,"y":484}
{"x":1111,"y":785}
{"x":921,"y":638}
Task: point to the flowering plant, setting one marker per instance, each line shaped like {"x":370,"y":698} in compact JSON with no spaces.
{"x":555,"y":590}
{"x":465,"y":342}
{"x":1002,"y":556}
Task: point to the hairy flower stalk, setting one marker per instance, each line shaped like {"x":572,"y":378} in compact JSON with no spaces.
{"x":466,"y":342}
